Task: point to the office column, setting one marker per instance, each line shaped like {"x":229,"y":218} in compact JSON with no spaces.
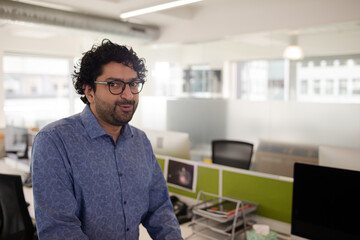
{"x":292,"y":80}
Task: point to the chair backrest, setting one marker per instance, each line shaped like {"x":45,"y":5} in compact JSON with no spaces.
{"x":232,"y":153}
{"x":15,"y":221}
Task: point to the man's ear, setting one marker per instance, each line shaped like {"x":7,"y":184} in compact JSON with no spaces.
{"x":89,"y":92}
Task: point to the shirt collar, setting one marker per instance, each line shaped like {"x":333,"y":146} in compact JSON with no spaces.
{"x":126,"y":131}
{"x":95,"y":130}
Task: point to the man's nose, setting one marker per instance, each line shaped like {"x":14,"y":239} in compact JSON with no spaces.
{"x":127,"y":94}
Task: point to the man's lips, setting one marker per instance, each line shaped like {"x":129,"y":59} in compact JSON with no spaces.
{"x":125,"y":107}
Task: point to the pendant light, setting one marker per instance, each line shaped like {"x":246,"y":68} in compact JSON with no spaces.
{"x":293,"y":51}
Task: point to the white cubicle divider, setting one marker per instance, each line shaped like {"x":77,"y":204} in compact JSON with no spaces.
{"x":278,"y":158}
{"x":339,"y":157}
{"x":169,"y":143}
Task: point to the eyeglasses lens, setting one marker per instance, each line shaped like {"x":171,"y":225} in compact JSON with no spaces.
{"x":117,"y":87}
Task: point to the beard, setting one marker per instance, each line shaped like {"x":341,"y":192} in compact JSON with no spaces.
{"x":111,"y":112}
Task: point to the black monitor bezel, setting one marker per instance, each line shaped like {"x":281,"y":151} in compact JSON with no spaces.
{"x":312,"y":184}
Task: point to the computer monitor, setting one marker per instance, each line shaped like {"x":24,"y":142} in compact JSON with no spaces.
{"x":326,"y":203}
{"x":169,"y":143}
{"x":181,"y":174}
{"x":16,"y":141}
{"x":339,"y":157}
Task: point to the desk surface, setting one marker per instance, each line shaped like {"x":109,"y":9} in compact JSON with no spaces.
{"x":28,"y":194}
{"x":186,"y":230}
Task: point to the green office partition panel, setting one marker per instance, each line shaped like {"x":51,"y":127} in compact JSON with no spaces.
{"x":161,"y":163}
{"x":207,"y":180}
{"x":273,"y":196}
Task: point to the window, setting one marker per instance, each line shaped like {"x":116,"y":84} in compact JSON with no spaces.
{"x":198,"y":81}
{"x":330,"y":79}
{"x":343,"y":87}
{"x":261,"y":80}
{"x":165,"y":79}
{"x":37,"y":89}
{"x":356,"y":87}
{"x":329,"y":88}
{"x":304,"y":87}
{"x":312,"y":79}
{"x":316,"y":87}
{"x":202,"y":81}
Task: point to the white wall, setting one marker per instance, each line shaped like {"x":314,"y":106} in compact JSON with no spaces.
{"x":151,"y":113}
{"x":329,"y":156}
{"x":289,"y":122}
{"x":307,"y":123}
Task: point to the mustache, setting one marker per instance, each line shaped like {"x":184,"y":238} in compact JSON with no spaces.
{"x":119,"y":103}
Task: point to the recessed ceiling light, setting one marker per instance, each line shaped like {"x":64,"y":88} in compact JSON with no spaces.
{"x":157,"y":8}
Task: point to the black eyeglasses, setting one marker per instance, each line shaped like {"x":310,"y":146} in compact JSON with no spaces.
{"x":117,"y":87}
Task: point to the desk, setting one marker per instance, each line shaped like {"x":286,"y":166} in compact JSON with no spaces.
{"x":185,"y":228}
{"x":28,"y":194}
{"x":186,"y":231}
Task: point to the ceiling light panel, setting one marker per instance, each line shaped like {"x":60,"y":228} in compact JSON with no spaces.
{"x":157,"y":8}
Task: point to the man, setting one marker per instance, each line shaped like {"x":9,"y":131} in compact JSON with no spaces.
{"x":94,"y":175}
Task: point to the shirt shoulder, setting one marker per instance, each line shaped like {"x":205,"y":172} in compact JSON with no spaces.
{"x":61,"y":128}
{"x":63,"y":124}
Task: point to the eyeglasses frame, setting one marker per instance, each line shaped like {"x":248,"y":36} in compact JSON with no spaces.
{"x":125,"y":83}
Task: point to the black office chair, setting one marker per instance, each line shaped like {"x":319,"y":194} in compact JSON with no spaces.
{"x":15,"y":221}
{"x":232,"y":153}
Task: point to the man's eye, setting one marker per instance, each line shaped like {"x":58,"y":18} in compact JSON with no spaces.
{"x":136,"y":84}
{"x":114,"y":84}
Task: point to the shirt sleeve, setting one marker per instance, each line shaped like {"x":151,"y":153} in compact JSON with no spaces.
{"x":160,"y":222}
{"x":56,"y":209}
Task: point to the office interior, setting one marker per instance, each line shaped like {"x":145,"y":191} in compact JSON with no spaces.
{"x":216,"y":71}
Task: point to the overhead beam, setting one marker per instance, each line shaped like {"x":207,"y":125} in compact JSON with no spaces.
{"x":23,"y":12}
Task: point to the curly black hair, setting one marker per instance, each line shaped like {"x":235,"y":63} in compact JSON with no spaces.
{"x":91,"y":65}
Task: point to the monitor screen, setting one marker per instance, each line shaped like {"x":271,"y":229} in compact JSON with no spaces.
{"x":181,"y":175}
{"x":169,"y":143}
{"x":326,"y":202}
{"x":16,"y":141}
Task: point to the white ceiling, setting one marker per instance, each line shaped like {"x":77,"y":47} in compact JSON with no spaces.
{"x":211,"y":20}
